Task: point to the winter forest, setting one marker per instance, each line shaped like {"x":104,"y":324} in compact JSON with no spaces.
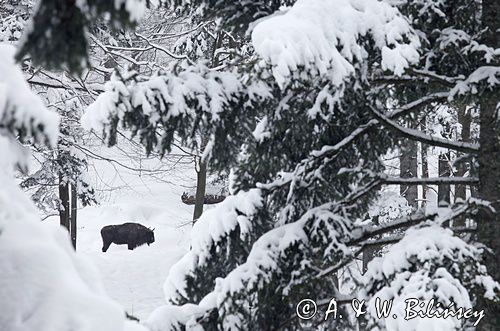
{"x":249,"y":165}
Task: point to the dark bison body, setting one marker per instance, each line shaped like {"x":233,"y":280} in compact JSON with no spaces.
{"x":131,"y":234}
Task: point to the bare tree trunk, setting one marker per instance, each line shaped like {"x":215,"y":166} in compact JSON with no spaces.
{"x":444,"y":190}
{"x":408,"y":165}
{"x":201,"y":183}
{"x":201,"y":180}
{"x":371,"y":251}
{"x":408,"y":168}
{"x":425,"y":174}
{"x":464,"y":119}
{"x":425,"y":165}
{"x":488,"y":223}
{"x":74,"y":208}
{"x":64,"y":202}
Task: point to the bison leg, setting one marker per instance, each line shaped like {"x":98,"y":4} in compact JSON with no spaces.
{"x":131,"y":246}
{"x":105,"y":245}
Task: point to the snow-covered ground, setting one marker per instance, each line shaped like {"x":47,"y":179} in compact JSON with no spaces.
{"x":135,"y":278}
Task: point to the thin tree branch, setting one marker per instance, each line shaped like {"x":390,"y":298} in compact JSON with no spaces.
{"x":423,"y":138}
{"x":387,"y":180}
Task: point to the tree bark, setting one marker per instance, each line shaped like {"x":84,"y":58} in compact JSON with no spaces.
{"x":74,"y":208}
{"x":488,"y":224}
{"x":370,"y":252}
{"x":464,"y":119}
{"x":444,"y":190}
{"x":425,"y":174}
{"x":201,"y":182}
{"x":408,"y":168}
{"x":64,"y":202}
{"x":425,"y":164}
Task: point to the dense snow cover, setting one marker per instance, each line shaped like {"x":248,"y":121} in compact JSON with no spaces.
{"x":163,"y":95}
{"x":44,"y":285}
{"x":486,"y":75}
{"x":408,"y":270}
{"x":170,"y":102}
{"x":323,"y":37}
{"x":19,"y":108}
{"x":259,"y":264}
{"x":167,"y":95}
{"x":234,"y":211}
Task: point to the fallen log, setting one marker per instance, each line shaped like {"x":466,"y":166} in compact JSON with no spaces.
{"x":210,"y":199}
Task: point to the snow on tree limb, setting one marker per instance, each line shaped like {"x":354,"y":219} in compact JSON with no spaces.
{"x":165,"y":102}
{"x":388,"y":180}
{"x":488,"y":76}
{"x":323,"y":38}
{"x":22,"y":112}
{"x":234,"y":212}
{"x":419,"y":136}
{"x":264,"y":256}
{"x":363,"y":236}
{"x":408,"y":271}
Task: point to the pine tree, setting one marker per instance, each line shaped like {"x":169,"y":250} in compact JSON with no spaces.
{"x":57,"y":38}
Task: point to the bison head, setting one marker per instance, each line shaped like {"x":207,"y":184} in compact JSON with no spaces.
{"x":150,"y":237}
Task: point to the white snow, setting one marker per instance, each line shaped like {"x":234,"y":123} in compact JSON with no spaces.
{"x":44,"y":285}
{"x":210,"y":227}
{"x":261,"y":132}
{"x":18,"y":104}
{"x":423,"y":249}
{"x":485,"y":74}
{"x":322,"y":36}
{"x":197,"y":91}
{"x":134,"y":279}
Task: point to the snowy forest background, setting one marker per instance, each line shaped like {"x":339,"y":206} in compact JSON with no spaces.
{"x":281,"y":149}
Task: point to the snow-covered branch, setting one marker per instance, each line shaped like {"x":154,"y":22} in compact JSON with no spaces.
{"x":312,"y":35}
{"x":364,"y":237}
{"x":424,"y":138}
{"x":430,"y":181}
{"x":164,"y":50}
{"x":330,"y":151}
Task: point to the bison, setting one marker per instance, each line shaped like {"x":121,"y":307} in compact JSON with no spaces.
{"x":131,"y":234}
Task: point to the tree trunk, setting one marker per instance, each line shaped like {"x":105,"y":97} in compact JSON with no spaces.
{"x":425,"y":164}
{"x":488,"y":223}
{"x":74,"y":208}
{"x":64,"y":202}
{"x":444,"y":190}
{"x":408,"y":168}
{"x":370,"y":252}
{"x":202,"y":171}
{"x":425,"y":174}
{"x":464,"y":119}
{"x":201,"y":182}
